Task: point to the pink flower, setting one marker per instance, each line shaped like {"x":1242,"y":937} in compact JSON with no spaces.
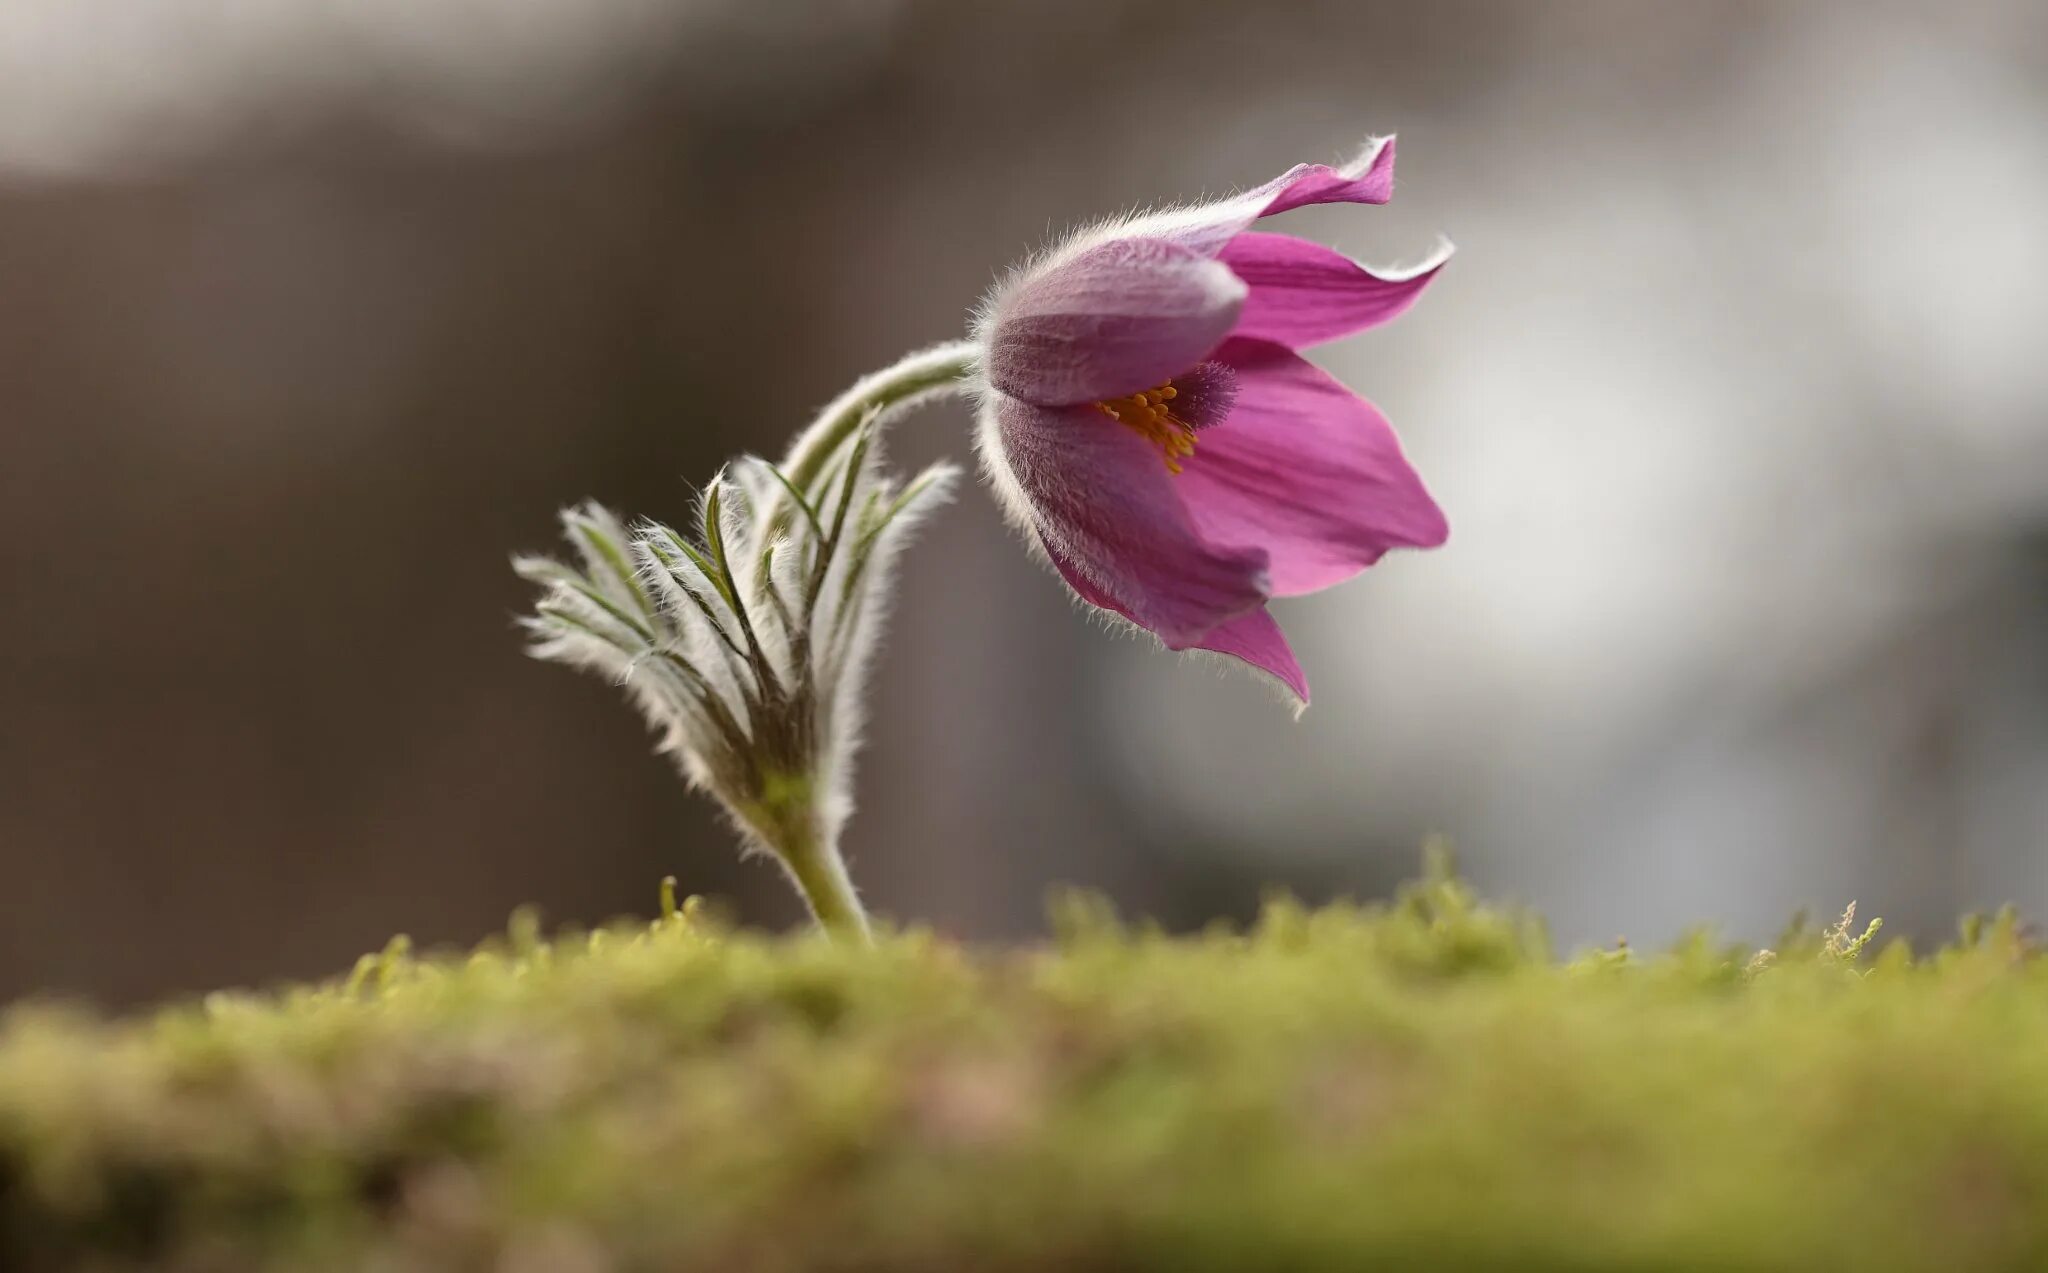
{"x":1146,"y":416}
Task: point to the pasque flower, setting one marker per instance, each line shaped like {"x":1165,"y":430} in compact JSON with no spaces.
{"x":1147,"y":419}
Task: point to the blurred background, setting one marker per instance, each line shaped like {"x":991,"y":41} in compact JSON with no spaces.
{"x":311,"y":314}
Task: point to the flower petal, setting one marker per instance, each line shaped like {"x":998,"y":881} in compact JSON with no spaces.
{"x":1303,"y":293}
{"x":1256,"y":638}
{"x":1253,"y":636}
{"x":1112,"y":319}
{"x":1306,"y":470}
{"x":1206,"y":228}
{"x":1101,"y":500}
{"x":1367,"y":179}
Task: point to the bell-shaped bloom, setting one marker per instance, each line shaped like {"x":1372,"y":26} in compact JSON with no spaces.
{"x":1147,"y":418}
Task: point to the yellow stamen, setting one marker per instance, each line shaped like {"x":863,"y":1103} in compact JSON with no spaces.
{"x":1147,"y":415}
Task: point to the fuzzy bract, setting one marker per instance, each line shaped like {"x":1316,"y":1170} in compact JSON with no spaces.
{"x":745,"y":640}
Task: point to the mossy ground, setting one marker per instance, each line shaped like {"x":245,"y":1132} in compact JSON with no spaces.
{"x":1419,"y":1085}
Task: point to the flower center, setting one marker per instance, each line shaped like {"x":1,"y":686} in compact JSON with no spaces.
{"x":1151,"y":416}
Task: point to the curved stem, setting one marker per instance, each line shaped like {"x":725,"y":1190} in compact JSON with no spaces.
{"x":926,"y":372}
{"x":786,"y":815}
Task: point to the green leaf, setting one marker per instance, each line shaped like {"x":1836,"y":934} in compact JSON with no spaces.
{"x":614,"y":557}
{"x":589,"y":592}
{"x":803,"y":504}
{"x":682,"y":581}
{"x":714,"y":539}
{"x":790,"y":630}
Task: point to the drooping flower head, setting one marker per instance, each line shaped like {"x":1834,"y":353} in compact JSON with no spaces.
{"x":1146,"y":416}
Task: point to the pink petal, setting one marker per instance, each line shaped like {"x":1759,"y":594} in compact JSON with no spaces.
{"x":1253,"y":636}
{"x":1102,"y":500}
{"x":1303,"y":293}
{"x":1306,"y":470}
{"x":1110,"y":320}
{"x":1256,"y":638}
{"x":1366,"y":179}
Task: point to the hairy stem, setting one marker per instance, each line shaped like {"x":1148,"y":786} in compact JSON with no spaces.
{"x":787,"y":816}
{"x":928,"y":371}
{"x":814,"y":864}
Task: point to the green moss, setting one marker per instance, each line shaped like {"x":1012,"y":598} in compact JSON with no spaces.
{"x":1416,"y":1085}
